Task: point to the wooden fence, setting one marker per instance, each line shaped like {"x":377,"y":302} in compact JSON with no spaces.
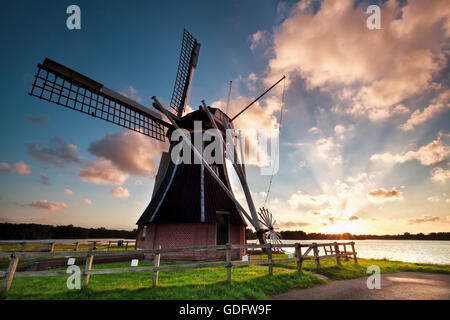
{"x":51,"y":246}
{"x":302,"y":253}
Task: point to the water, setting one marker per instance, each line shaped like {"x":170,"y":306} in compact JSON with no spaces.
{"x":425,"y":251}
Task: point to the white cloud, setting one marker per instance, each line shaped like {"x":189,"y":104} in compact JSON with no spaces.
{"x":120,"y":192}
{"x":48,"y":205}
{"x":87,"y":201}
{"x":103,"y":172}
{"x":433,"y":153}
{"x":68,"y":192}
{"x":440,"y":175}
{"x":332,"y":49}
{"x":302,"y":199}
{"x":381,"y":195}
{"x":22,"y":168}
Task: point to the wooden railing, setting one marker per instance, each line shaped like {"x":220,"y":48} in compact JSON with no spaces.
{"x":51,"y":246}
{"x":331,"y":251}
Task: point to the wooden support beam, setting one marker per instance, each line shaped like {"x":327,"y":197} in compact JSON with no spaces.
{"x":228,"y":261}
{"x":10,"y":272}
{"x":269,"y":256}
{"x":157,"y":261}
{"x":338,"y":254}
{"x":316,"y":255}
{"x":87,"y":268}
{"x":298,"y":255}
{"x":354,"y":252}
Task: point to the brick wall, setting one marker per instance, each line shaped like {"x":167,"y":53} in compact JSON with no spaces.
{"x":180,"y":235}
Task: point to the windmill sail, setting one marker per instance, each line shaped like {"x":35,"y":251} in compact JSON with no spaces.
{"x":190,"y":50}
{"x":63,"y":86}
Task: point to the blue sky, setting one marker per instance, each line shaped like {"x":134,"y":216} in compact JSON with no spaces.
{"x":365,"y":132}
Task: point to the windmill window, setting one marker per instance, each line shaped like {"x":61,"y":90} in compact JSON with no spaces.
{"x":144,"y":232}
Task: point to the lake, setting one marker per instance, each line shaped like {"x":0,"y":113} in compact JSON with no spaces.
{"x":426,"y":251}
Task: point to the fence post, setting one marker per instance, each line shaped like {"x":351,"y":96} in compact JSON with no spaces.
{"x":23,"y":247}
{"x":228,"y":261}
{"x":157,"y":261}
{"x":345,"y":252}
{"x":88,"y":267}
{"x":354,"y":252}
{"x":298,"y":254}
{"x":95,"y":245}
{"x":126,"y":245}
{"x":52,"y":247}
{"x":269,"y":255}
{"x":77,"y":244}
{"x":10,"y":272}
{"x":316,"y":255}
{"x":109,"y":245}
{"x":337,"y":252}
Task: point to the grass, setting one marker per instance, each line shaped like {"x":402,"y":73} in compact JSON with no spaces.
{"x":248,"y":282}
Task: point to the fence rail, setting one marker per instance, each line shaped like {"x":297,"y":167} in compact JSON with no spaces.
{"x":331,"y":251}
{"x":51,"y":246}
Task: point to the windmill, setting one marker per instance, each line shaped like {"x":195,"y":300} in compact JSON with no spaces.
{"x":190,"y":202}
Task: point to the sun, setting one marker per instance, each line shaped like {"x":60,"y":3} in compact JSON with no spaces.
{"x":343,"y":227}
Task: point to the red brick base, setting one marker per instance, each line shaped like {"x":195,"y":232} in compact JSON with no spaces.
{"x":180,"y":235}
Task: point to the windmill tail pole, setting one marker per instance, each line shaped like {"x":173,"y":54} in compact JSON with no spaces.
{"x":284,"y":77}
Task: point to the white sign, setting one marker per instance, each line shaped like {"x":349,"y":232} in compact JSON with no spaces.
{"x":71,"y":261}
{"x":244,"y":258}
{"x":134,"y":262}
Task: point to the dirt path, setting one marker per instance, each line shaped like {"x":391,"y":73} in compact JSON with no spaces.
{"x":394,"y":286}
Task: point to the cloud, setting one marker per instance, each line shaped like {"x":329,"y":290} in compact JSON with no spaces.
{"x":130,"y":152}
{"x":44,"y":179}
{"x":131,"y":93}
{"x":87,"y":201}
{"x":293,"y":224}
{"x":440,"y":175}
{"x":120,"y":192}
{"x":68,"y":192}
{"x":314,"y":130}
{"x":331,"y":48}
{"x":58,"y":153}
{"x":259,"y":37}
{"x":103,"y":171}
{"x":301,"y":199}
{"x":438,"y":105}
{"x":433,"y":153}
{"x":37,"y":120}
{"x":48,"y":205}
{"x":382,"y":195}
{"x":434,"y":199}
{"x":22,"y":168}
{"x":5,"y":166}
{"x":424,"y":219}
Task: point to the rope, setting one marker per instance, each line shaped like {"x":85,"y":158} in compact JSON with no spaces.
{"x":273,"y":167}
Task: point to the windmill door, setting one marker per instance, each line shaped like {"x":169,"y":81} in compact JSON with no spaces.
{"x":223,"y":227}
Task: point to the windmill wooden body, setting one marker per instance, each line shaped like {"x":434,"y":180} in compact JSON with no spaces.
{"x":192,"y":204}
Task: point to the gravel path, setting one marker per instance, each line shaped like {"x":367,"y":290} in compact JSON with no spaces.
{"x":394,"y":286}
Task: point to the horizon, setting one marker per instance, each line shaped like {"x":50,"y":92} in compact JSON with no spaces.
{"x":365,"y":131}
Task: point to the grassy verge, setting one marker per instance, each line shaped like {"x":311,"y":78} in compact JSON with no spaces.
{"x":249,"y":282}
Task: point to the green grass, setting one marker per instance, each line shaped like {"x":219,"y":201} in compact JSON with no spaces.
{"x":248,"y":282}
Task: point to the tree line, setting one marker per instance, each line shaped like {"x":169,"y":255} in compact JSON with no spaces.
{"x":301,"y":235}
{"x":32,"y":231}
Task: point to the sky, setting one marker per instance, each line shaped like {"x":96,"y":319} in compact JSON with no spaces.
{"x":363,"y":128}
